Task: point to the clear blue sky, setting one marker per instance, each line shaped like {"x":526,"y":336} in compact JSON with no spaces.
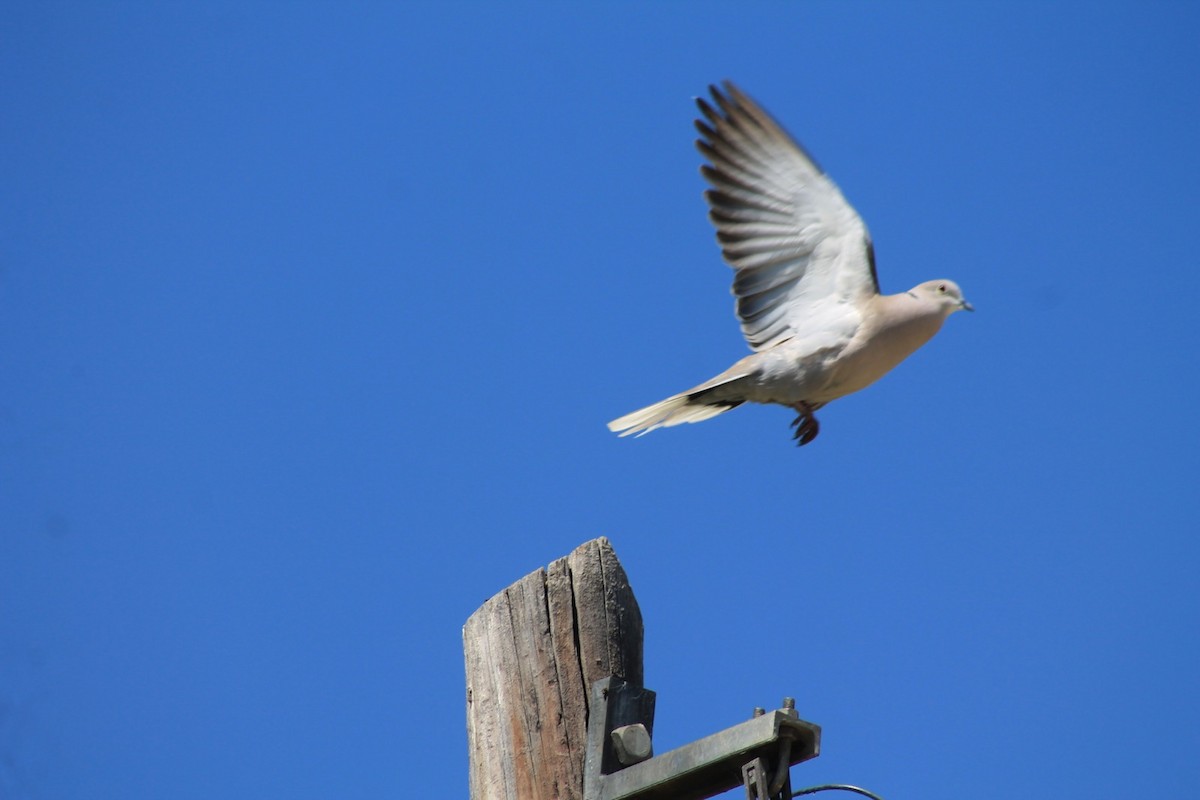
{"x":311,"y":317}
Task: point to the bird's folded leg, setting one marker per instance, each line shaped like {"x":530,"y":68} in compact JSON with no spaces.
{"x":806,"y":425}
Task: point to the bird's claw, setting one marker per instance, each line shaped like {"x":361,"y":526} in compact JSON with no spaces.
{"x":806,"y":426}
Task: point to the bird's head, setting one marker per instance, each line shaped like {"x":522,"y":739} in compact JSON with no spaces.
{"x":945,"y":294}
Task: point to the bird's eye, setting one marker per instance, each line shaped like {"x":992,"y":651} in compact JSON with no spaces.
{"x":942,"y":288}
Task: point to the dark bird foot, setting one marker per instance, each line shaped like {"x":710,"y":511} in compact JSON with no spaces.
{"x":806,"y":425}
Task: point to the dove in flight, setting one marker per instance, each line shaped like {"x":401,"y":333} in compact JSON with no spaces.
{"x":804,"y":278}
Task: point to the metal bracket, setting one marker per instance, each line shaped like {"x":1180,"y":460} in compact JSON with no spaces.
{"x":757,"y":753}
{"x":756,"y":779}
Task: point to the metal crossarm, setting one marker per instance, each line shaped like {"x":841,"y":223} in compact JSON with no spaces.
{"x":694,"y":771}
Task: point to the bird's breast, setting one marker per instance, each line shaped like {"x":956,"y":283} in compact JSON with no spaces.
{"x":874,"y":353}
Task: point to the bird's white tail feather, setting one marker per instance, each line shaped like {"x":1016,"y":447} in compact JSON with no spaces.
{"x":672,"y":411}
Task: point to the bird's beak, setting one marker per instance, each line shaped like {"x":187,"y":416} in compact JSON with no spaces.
{"x":965,"y":306}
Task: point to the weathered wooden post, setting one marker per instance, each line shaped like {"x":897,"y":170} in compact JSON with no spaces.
{"x":556,"y":709}
{"x":532,"y":653}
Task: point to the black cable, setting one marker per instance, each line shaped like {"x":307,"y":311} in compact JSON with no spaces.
{"x":845,"y":787}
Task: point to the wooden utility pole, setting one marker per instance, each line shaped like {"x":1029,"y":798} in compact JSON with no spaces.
{"x":556,"y":709}
{"x":532,"y":652}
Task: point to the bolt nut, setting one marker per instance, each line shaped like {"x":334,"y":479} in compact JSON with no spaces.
{"x":632,"y":744}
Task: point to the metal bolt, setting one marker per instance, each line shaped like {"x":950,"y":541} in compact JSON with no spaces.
{"x":789,"y":707}
{"x":759,"y":711}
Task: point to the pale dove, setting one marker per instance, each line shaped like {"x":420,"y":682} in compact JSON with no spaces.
{"x":807,"y":293}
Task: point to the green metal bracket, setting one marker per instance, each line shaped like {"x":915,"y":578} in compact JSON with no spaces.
{"x":757,"y":753}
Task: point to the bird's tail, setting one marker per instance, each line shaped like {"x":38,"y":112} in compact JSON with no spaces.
{"x":687,"y":407}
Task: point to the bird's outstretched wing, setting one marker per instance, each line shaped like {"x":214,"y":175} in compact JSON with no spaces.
{"x":803,"y":258}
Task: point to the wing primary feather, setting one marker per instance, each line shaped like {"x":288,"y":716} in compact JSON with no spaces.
{"x":733,"y":231}
{"x":730,"y":161}
{"x":727,"y":133}
{"x":760,"y":261}
{"x":767,"y":123}
{"x":724,"y":210}
{"x":729,"y":197}
{"x":725,"y":180}
{"x":742,"y":247}
{"x":714,"y":139}
{"x":737,"y":118}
